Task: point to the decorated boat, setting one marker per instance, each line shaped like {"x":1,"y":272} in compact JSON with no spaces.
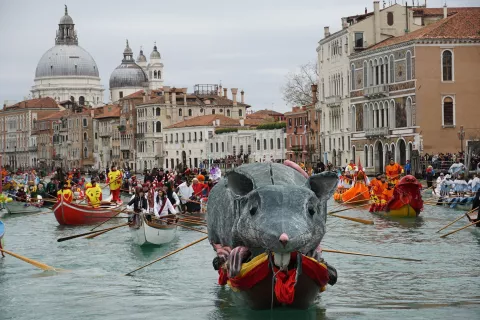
{"x":77,"y":214}
{"x":406,"y":201}
{"x":452,"y":201}
{"x":358,"y":194}
{"x":154,"y":232}
{"x":256,"y":210}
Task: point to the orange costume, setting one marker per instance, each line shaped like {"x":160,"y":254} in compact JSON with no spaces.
{"x":393,"y":172}
{"x":379,"y":188}
{"x":359,"y":191}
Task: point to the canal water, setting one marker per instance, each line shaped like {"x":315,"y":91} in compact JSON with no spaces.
{"x":445,"y":285}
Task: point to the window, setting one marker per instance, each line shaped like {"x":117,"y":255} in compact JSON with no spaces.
{"x":234,"y":150}
{"x":85,"y":136}
{"x":392,"y":69}
{"x":211,"y":147}
{"x":358,"y":39}
{"x":120,"y":94}
{"x":201,"y":135}
{"x":352,"y":77}
{"x":213,"y":111}
{"x":228,"y":113}
{"x":249,"y":149}
{"x":448,"y":112}
{"x":264,"y":144}
{"x":180,"y":112}
{"x":390,"y":18}
{"x":289,"y":122}
{"x":81,"y":100}
{"x":241,"y":149}
{"x":85,"y":122}
{"x":223,"y":146}
{"x":240,"y":113}
{"x":365,"y":74}
{"x":447,"y":65}
{"x":216,"y":147}
{"x":271,"y":144}
{"x":85,"y":152}
{"x":158,"y":127}
{"x":278,"y":143}
{"x":183,"y":137}
{"x":189,"y":136}
{"x":189,"y":112}
{"x":409,"y":65}
{"x":258,"y":145}
{"x":157,"y":113}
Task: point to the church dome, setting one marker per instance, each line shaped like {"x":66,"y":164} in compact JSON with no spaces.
{"x":128,"y":74}
{"x":66,"y":60}
{"x":141,"y":57}
{"x":155,"y":54}
{"x":66,"y":19}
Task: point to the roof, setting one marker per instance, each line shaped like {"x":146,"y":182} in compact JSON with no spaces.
{"x":264,"y":113}
{"x":253,"y":122}
{"x":54,"y":116}
{"x":435,"y":11}
{"x":34,"y":103}
{"x":465,"y":24}
{"x":109,"y":111}
{"x":195,"y":100}
{"x":207,"y":120}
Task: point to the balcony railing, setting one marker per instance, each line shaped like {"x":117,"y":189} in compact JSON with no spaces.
{"x":298,"y":148}
{"x":140,"y":135}
{"x":333,"y":101}
{"x":376,"y":91}
{"x":376,"y":132}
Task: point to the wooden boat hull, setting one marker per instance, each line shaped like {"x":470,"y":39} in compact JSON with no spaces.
{"x":404,"y":212}
{"x":152,"y":234}
{"x":78,"y":215}
{"x":16,"y":207}
{"x":456,"y":203}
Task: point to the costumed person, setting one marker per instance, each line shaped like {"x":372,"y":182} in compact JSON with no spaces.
{"x":115,"y":182}
{"x":438,"y":186}
{"x":406,"y":192}
{"x":430,"y":174}
{"x":359,"y":191}
{"x":460,"y":185}
{"x":163,"y":206}
{"x":381,"y":192}
{"x":133,"y":184}
{"x":445,"y":186}
{"x":215,"y":174}
{"x":456,"y":169}
{"x":475,"y":204}
{"x":65,"y":194}
{"x":140,"y":205}
{"x":185,"y":191}
{"x":393,"y":171}
{"x":94,"y":194}
{"x":52,"y":188}
{"x":194,"y":204}
{"x":172,"y":196}
{"x":343,"y":184}
{"x":474,"y":183}
{"x":21,"y":195}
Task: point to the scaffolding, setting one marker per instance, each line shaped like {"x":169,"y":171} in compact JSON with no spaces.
{"x":206,"y":89}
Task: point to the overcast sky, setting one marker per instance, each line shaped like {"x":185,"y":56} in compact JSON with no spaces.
{"x":247,"y":44}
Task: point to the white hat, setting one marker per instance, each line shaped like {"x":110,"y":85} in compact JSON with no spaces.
{"x":448,"y":176}
{"x":441,"y":174}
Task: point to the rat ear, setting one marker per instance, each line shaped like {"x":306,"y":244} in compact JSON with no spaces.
{"x":323,"y":184}
{"x":239,"y":183}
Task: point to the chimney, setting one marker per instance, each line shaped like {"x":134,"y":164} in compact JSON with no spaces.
{"x":344,"y":23}
{"x":314,"y":94}
{"x":174,"y":97}
{"x":366,"y":11}
{"x":376,"y":21}
{"x":217,"y":122}
{"x":242,"y":122}
{"x":242,"y":99}
{"x":149,"y":94}
{"x":326,"y":31}
{"x":184,"y":91}
{"x":144,"y":97}
{"x":445,"y":11}
{"x":166,"y":91}
{"x":225,"y":92}
{"x":220,"y":91}
{"x":234,"y":96}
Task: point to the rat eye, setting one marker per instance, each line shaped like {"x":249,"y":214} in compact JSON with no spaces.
{"x":253,"y":210}
{"x":311,"y":211}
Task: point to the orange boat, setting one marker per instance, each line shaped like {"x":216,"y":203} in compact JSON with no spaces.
{"x":71,"y":214}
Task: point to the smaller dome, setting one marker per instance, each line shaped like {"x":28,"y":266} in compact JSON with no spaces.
{"x":127,"y":50}
{"x":155,"y":54}
{"x":128,"y":75}
{"x":141,"y":57}
{"x":66,"y":19}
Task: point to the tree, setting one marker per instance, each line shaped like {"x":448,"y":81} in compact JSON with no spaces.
{"x":298,"y":87}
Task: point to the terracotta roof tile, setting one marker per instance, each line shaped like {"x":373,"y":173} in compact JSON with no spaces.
{"x":435,"y":11}
{"x":207,"y":120}
{"x":34,"y":103}
{"x":54,"y":116}
{"x":264,"y":113}
{"x":465,"y":24}
{"x":109,"y":111}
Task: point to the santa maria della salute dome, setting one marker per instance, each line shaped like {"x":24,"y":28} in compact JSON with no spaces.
{"x":67,"y":70}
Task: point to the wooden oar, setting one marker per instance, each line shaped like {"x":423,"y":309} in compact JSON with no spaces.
{"x":105,"y":231}
{"x":459,"y":229}
{"x":88,"y":233}
{"x":369,"y":255}
{"x":192,"y":221}
{"x":35,"y":263}
{"x":362,"y":205}
{"x":448,"y":225}
{"x":109,"y":219}
{"x":168,"y":255}
{"x":352,"y":219}
{"x":172,"y":221}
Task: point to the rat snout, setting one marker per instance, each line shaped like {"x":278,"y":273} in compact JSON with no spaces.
{"x":283,"y":239}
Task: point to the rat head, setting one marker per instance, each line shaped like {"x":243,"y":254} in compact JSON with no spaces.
{"x":282,"y":217}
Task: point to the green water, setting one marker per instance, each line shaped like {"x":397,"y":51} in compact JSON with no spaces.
{"x":445,"y":285}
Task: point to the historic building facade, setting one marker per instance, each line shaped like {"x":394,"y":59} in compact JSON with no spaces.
{"x":43,"y":133}
{"x":67,"y":71}
{"x":107,"y":136}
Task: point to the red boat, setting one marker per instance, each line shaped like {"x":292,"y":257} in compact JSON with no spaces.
{"x":71,"y":214}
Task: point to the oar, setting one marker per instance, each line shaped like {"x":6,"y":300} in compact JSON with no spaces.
{"x":369,"y":255}
{"x":88,"y":233}
{"x":109,"y":219}
{"x":168,"y":255}
{"x":31,"y":261}
{"x":352,"y":219}
{"x":362,"y":205}
{"x":186,"y":227}
{"x":448,"y":225}
{"x":105,"y":231}
{"x":459,"y":229}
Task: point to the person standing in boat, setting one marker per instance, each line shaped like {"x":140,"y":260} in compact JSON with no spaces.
{"x":393,"y":171}
{"x":474,"y":184}
{"x":185,"y":191}
{"x":140,"y":205}
{"x":172,"y":196}
{"x":456,"y":168}
{"x":65,"y":194}
{"x":94,"y":194}
{"x":115,"y":182}
{"x":162,"y":204}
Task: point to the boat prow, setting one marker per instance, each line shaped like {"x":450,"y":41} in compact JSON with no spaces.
{"x":78,"y":215}
{"x":155,"y":232}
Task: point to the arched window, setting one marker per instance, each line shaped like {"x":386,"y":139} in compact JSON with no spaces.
{"x":211,"y":147}
{"x":189,"y":112}
{"x":352,"y":77}
{"x":157,"y":113}
{"x":447,"y":65}
{"x":183,"y":137}
{"x":85,"y":136}
{"x":408,"y":111}
{"x":155,"y":74}
{"x":392,"y":69}
{"x":180,"y":112}
{"x":216,"y":146}
{"x":264,"y":144}
{"x":258,"y":145}
{"x":201,"y":135}
{"x":85,"y":122}
{"x":213,"y":111}
{"x":240,"y":113}
{"x":390,"y":18}
{"x":159,"y":74}
{"x":158,"y":127}
{"x":448,"y":112}
{"x":365,"y":74}
{"x":278,"y":143}
{"x":409,"y":65}
{"x":81,"y":100}
{"x":85,"y":152}
{"x":365,"y":151}
{"x":271,"y":144}
{"x":228,"y":113}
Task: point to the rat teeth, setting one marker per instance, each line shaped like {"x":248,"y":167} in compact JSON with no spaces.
{"x":281,"y":260}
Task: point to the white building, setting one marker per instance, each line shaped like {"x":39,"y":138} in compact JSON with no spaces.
{"x":335,"y":71}
{"x":67,"y":71}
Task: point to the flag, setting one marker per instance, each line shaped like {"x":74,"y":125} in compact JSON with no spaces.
{"x":360,"y":168}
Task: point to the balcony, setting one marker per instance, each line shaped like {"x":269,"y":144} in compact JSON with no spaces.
{"x":298,"y":148}
{"x":125,"y":147}
{"x":376,"y":132}
{"x":375,"y":92}
{"x":105,"y":133}
{"x":139,"y":135}
{"x":333,"y":101}
{"x":33,"y":148}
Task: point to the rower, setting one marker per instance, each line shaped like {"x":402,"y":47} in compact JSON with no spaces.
{"x":65,"y":193}
{"x":393,"y":171}
{"x":94,"y":194}
{"x":115,"y":182}
{"x":475,"y":204}
{"x":379,"y":185}
{"x":140,"y":205}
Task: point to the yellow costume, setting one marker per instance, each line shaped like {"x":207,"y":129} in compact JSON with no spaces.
{"x":94,"y":195}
